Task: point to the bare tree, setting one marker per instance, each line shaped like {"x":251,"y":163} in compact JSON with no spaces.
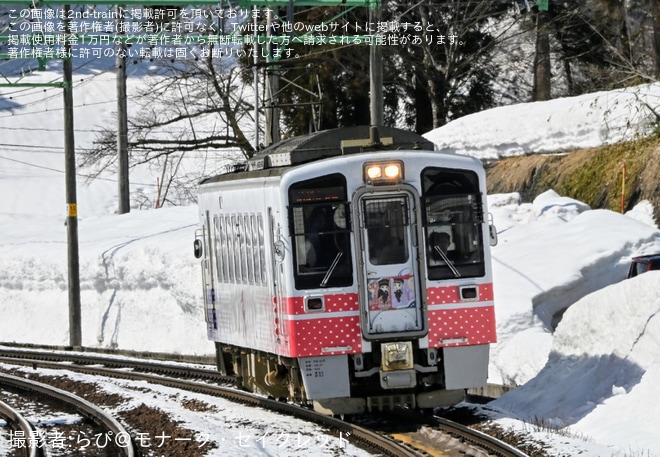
{"x":449,"y":71}
{"x":196,"y":105}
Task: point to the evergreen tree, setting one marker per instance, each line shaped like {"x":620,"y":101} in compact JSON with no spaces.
{"x":449,"y":72}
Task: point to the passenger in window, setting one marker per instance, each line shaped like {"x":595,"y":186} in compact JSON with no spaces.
{"x":385,"y":248}
{"x":318,"y":243}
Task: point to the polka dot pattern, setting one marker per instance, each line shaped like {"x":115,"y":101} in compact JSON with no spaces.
{"x":456,"y":322}
{"x":337,"y":330}
{"x":462,"y":326}
{"x":322,"y":333}
{"x":334,"y":303}
{"x":330,"y":336}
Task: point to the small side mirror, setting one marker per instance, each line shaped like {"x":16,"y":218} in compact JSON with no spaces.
{"x":492,"y":231}
{"x":198,"y":249}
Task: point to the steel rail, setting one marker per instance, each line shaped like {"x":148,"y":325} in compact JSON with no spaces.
{"x":499,"y":448}
{"x":112,"y":361}
{"x":382,"y":443}
{"x":18,"y":349}
{"x":33,"y":440}
{"x":463,"y":434}
{"x":82,"y":405}
{"x":90,"y":364}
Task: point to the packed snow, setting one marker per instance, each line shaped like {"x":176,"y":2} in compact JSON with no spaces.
{"x":582,"y":343}
{"x":553,"y":126}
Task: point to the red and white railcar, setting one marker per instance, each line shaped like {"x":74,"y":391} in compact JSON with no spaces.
{"x":350,"y":271}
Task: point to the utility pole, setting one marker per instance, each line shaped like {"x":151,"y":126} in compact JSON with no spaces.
{"x":255,"y":75}
{"x":375,"y":68}
{"x":75,"y":333}
{"x":656,"y":36}
{"x":542,"y":68}
{"x":122,"y":120}
{"x":272,"y":82}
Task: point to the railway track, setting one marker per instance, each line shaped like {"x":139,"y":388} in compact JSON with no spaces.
{"x":393,"y":442}
{"x":21,"y":427}
{"x":118,"y":439}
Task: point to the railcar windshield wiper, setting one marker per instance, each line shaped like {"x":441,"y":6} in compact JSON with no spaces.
{"x":449,"y":263}
{"x":326,"y":278}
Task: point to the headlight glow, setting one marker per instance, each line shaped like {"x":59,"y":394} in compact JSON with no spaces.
{"x":374,"y":172}
{"x":390,"y":172}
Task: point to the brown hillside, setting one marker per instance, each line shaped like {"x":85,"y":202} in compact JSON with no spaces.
{"x":593,"y":176}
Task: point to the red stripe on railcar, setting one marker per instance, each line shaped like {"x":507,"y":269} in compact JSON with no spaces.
{"x":450,"y":294}
{"x":334,"y":303}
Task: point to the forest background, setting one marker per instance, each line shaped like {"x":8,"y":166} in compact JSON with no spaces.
{"x":468,"y":56}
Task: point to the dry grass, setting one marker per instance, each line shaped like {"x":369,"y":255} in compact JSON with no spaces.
{"x":594,"y":176}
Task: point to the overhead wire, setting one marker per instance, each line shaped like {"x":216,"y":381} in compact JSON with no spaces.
{"x":81,"y":175}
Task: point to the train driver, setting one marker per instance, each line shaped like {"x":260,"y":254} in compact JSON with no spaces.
{"x":316,"y":239}
{"x":439,"y":243}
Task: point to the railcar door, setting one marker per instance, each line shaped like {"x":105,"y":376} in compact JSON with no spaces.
{"x":207,"y":277}
{"x":390,"y":288}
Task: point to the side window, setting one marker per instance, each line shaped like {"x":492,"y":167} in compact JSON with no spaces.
{"x":240,"y":249}
{"x":453,"y":220}
{"x":320,"y":230}
{"x":219,"y":248}
{"x":262,"y":249}
{"x":231,"y":276}
{"x":248,"y":252}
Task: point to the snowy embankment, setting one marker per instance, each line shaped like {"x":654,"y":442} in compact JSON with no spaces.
{"x":551,"y":253}
{"x":603,"y":369}
{"x":562,"y":124}
{"x":140,"y":285}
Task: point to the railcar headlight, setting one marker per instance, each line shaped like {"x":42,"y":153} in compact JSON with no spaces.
{"x":374,"y":172}
{"x":383,"y":172}
{"x":392,"y":171}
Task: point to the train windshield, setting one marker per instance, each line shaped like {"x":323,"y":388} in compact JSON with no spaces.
{"x":386,"y":221}
{"x":320,"y":229}
{"x":453,"y":221}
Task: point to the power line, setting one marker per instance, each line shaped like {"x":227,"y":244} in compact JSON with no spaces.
{"x":33,"y":165}
{"x":39,"y":129}
{"x":44,"y":149}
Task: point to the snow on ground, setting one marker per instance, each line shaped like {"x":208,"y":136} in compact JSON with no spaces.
{"x":590,"y":377}
{"x":557,"y":125}
{"x":212,"y":425}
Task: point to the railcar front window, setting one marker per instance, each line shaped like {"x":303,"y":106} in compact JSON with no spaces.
{"x":453,"y":222}
{"x":320,"y":230}
{"x":386,"y":221}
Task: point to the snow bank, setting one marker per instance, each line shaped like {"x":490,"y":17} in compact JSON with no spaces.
{"x":604,"y":363}
{"x":562,"y":124}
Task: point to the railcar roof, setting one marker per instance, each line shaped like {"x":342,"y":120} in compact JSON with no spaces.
{"x":646,"y":257}
{"x":273,"y":160}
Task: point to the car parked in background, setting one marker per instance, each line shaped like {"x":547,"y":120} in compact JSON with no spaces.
{"x":644,"y":263}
